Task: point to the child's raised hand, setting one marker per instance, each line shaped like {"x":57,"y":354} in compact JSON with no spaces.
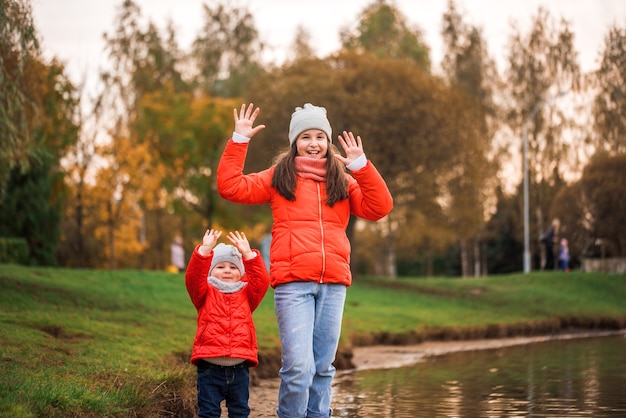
{"x":351,"y":146}
{"x":210,"y":238}
{"x":245,"y":119}
{"x":240,"y":241}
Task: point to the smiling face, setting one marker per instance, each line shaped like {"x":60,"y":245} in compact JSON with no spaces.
{"x":226,"y":272}
{"x":312,"y":143}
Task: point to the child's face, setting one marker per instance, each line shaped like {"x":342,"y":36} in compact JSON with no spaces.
{"x":226,"y":272}
{"x":312,"y":143}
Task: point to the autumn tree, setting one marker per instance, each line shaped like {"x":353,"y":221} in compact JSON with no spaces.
{"x":142,"y":62}
{"x":592,"y":209}
{"x":301,"y":46}
{"x":541,"y":64}
{"x":383,"y":31}
{"x":226,"y":53}
{"x":174,"y":120}
{"x":610,"y":101}
{"x":32,"y":206}
{"x":469,"y":69}
{"x":37,"y":125}
{"x":19,"y":47}
{"x":405,"y":117}
{"x":78,"y":247}
{"x":187,"y":132}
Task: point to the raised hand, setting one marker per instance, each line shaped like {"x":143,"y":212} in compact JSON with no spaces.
{"x":210,"y":238}
{"x":245,"y":119}
{"x":351,"y":146}
{"x":240,"y":241}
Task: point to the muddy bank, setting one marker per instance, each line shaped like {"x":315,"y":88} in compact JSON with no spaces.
{"x":179,"y":398}
{"x":269,"y":360}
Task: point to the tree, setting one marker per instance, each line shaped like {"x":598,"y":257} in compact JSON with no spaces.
{"x":469,"y":69}
{"x":383,"y":31}
{"x":593,"y":208}
{"x":18,"y":48}
{"x":610,"y":101}
{"x":186,"y":134}
{"x":227,"y":51}
{"x":504,"y":248}
{"x":143,"y":62}
{"x":78,"y":247}
{"x":33,"y":205}
{"x":406,"y":119}
{"x":542,"y":64}
{"x":301,"y":47}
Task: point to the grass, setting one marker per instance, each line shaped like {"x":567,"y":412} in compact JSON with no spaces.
{"x":90,"y":343}
{"x":401,"y":311}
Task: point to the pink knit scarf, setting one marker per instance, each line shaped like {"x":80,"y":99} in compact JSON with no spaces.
{"x":311,"y":168}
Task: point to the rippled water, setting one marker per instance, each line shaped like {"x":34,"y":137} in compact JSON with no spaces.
{"x":566,"y":378}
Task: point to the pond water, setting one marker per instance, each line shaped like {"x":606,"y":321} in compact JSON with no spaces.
{"x":583,"y":377}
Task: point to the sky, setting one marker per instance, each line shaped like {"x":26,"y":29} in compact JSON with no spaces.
{"x":71,"y":30}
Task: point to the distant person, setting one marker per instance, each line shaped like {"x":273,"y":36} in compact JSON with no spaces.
{"x":178,"y":254}
{"x":549,"y":239}
{"x":266,"y":242}
{"x":564,"y":256}
{"x":312,"y":197}
{"x":226,"y":284}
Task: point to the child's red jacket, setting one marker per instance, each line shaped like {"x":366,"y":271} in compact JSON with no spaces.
{"x":225,"y":325}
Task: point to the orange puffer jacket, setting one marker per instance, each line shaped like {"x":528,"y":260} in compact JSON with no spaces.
{"x":309,"y":241}
{"x":225,"y":326}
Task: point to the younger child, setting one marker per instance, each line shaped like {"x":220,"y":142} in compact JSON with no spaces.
{"x":226,"y":284}
{"x":564,"y":255}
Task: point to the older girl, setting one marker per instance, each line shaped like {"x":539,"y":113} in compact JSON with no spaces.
{"x":312,"y":197}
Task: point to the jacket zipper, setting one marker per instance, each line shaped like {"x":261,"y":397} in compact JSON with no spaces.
{"x":319,"y":205}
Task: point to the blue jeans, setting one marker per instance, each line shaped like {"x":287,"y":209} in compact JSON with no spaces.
{"x":309,"y":320}
{"x":218,"y":383}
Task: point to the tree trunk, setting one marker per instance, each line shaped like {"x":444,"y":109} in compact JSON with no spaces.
{"x":464,"y":258}
{"x":476,"y":257}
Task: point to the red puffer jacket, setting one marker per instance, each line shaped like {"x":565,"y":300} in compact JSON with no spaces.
{"x":225,"y":326}
{"x":309,"y":241}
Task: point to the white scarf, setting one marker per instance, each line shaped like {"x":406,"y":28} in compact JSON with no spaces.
{"x":226,"y":287}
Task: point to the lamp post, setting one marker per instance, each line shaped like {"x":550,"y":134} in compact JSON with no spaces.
{"x":530,"y":117}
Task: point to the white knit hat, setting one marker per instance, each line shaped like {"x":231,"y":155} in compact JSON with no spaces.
{"x":225,"y":252}
{"x":309,"y":117}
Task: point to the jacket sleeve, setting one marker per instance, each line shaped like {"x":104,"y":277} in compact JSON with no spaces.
{"x":233,"y":185}
{"x":257,"y":278}
{"x":369,"y":196}
{"x":196,"y":276}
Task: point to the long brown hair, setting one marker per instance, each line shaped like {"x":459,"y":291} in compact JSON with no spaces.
{"x":284,"y":178}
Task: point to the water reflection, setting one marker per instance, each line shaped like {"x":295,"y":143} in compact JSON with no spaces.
{"x":566,"y":378}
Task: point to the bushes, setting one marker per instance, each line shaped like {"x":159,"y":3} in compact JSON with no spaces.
{"x":13,"y":250}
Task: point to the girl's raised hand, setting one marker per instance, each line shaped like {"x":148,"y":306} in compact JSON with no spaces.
{"x":351,"y":146}
{"x":245,"y":119}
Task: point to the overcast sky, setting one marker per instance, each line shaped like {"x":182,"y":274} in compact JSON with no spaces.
{"x":72,"y":29}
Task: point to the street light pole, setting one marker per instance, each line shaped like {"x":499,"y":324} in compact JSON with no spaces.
{"x":530,"y":117}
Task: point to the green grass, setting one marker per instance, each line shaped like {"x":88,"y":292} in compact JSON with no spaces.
{"x":473,"y":307}
{"x":90,"y":343}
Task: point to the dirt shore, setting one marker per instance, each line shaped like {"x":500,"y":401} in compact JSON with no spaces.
{"x":263,"y":397}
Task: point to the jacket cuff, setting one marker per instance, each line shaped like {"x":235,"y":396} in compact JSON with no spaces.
{"x":240,"y":139}
{"x":358,"y":164}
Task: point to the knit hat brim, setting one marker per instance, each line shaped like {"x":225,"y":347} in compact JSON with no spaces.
{"x":309,"y":117}
{"x":229,"y":253}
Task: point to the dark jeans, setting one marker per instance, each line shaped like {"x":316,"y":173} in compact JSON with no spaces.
{"x":219,"y":383}
{"x":549,"y":257}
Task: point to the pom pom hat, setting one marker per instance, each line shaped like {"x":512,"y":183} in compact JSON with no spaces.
{"x":309,"y":117}
{"x":225,"y":252}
